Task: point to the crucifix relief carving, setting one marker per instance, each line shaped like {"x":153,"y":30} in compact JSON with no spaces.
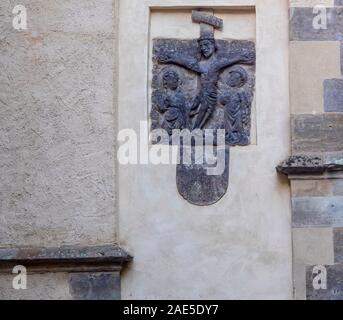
{"x":203,"y":84}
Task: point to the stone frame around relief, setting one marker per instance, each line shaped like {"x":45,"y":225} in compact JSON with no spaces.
{"x":216,"y":87}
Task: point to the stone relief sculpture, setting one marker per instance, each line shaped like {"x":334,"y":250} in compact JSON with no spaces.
{"x":203,"y":84}
{"x":237,"y":103}
{"x":171,"y":103}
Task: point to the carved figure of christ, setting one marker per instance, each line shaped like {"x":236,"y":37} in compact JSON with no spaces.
{"x":209,"y":69}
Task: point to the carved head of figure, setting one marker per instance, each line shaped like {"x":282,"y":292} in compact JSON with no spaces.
{"x":207,"y":45}
{"x":238,"y":77}
{"x":171,"y":80}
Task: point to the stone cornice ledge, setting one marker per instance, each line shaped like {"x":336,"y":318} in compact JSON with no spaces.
{"x":105,"y":258}
{"x":307,"y":164}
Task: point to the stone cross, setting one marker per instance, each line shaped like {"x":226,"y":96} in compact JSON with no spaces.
{"x":208,"y":22}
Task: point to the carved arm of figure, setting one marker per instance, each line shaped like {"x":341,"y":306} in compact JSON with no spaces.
{"x":175,"y":58}
{"x":245,"y":58}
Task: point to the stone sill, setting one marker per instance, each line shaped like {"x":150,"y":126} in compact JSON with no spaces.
{"x":305,"y":164}
{"x":65,"y":259}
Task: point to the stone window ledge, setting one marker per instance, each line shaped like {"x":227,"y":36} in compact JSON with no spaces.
{"x":108,"y":258}
{"x":311,"y":164}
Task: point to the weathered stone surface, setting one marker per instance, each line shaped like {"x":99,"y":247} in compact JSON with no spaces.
{"x":333,"y":95}
{"x":317,"y":212}
{"x":203,"y":17}
{"x":337,"y":186}
{"x":65,"y":257}
{"x":310,"y":246}
{"x":311,"y":3}
{"x":201,"y":85}
{"x":338,"y":245}
{"x":198,"y":187}
{"x":313,"y":245}
{"x":317,"y":133}
{"x":95,"y":286}
{"x":313,"y":188}
{"x":334,"y":290}
{"x":302,"y":164}
{"x":307,"y":73}
{"x":306,"y":133}
{"x":333,"y":158}
{"x":188,"y":95}
{"x":301,"y":25}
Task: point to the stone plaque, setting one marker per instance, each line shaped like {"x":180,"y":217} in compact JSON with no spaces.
{"x":203,"y":85}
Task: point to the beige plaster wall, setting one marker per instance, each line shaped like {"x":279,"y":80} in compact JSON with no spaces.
{"x":57,"y":124}
{"x":240,"y":247}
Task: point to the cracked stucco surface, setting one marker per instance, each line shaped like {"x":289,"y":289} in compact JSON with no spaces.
{"x":57,"y":124}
